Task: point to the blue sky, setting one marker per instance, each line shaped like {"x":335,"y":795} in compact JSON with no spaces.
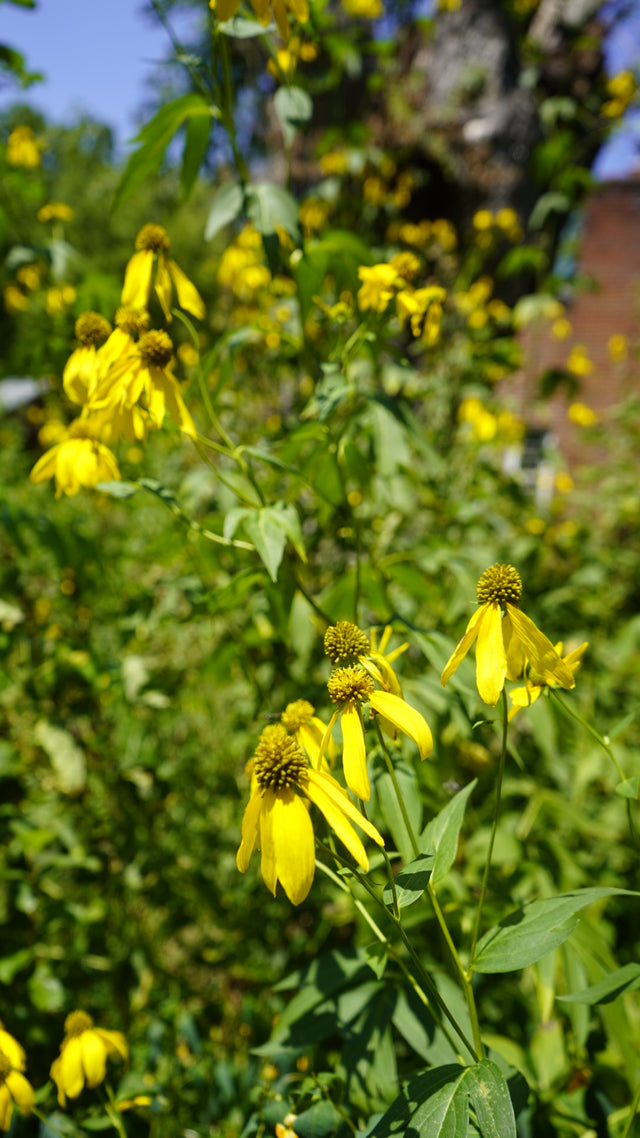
{"x":96,"y":57}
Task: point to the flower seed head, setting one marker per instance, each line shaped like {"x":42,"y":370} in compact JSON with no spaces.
{"x":499,"y":583}
{"x":279,"y":761}
{"x":156,"y":349}
{"x":92,"y":328}
{"x":132,"y":320}
{"x":344,"y":642}
{"x":153,"y":237}
{"x":350,"y":685}
{"x":76,"y":1023}
{"x":295,"y":715}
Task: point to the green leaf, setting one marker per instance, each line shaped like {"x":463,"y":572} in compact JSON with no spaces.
{"x":430,"y":1105}
{"x":622,"y":725}
{"x":269,"y":528}
{"x":225,"y":207}
{"x":294,"y":108}
{"x":411,"y":882}
{"x":196,"y":144}
{"x":11,"y":965}
{"x":491,"y":1100}
{"x":46,"y":992}
{"x":118,"y":489}
{"x":551,"y":202}
{"x":629,"y":788}
{"x":320,"y":1121}
{"x":441,"y":835}
{"x":625,"y":979}
{"x":154,"y":139}
{"x":376,"y":956}
{"x":532,"y":931}
{"x":270,"y":207}
{"x":239,"y":28}
{"x":385,"y":791}
{"x":67,"y":759}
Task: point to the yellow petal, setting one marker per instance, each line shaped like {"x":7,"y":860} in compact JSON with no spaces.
{"x":513,"y":649}
{"x":339,"y":823}
{"x":45,"y":467}
{"x":491,"y":659}
{"x":333,"y":791}
{"x":13,"y":1050}
{"x":6,"y":1107}
{"x":94,"y":1057}
{"x":225,"y":9}
{"x":70,"y":1072}
{"x":137,"y":280}
{"x":405,"y":718}
{"x":354,"y":755}
{"x":261,"y":9}
{"x":21,"y":1091}
{"x":463,"y":645}
{"x":291,"y":852}
{"x":79,"y":373}
{"x":268,"y":865}
{"x":300,"y":9}
{"x":250,"y":831}
{"x":114,"y":1042}
{"x":164,"y":291}
{"x":539,"y":650}
{"x":188,"y":296}
{"x":174,"y":401}
{"x":523,"y":697}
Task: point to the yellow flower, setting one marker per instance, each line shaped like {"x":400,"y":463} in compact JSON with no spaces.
{"x":618,"y":347}
{"x":349,"y":687}
{"x":81,"y":373}
{"x":78,"y":460}
{"x":423,"y":308}
{"x":12,"y":1050}
{"x":482,"y":220}
{"x":364,"y":9}
{"x":277,"y":819}
{"x":14,"y":299}
{"x":13,"y":1086}
{"x":300,"y":720}
{"x":505,"y":637}
{"x":23,"y":148}
{"x":578,"y":361}
{"x":152,"y":244}
{"x":55,"y":211}
{"x":142,"y":374}
{"x":377,"y":286}
{"x":83,"y":1055}
{"x":561,"y":328}
{"x":582,"y":415}
{"x":535,"y":684}
{"x":264,"y":9}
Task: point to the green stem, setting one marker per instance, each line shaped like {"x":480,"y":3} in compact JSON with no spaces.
{"x":633,"y":1110}
{"x":227,"y":109}
{"x":605,"y":747}
{"x":179,"y":513}
{"x":492,"y":838}
{"x":465,"y":980}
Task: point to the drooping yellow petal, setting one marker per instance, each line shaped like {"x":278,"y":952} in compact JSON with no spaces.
{"x":14,"y":1052}
{"x":137,"y":280}
{"x":463,"y":645}
{"x":6,"y":1107}
{"x":332,"y":790}
{"x":513,"y":649}
{"x":354,"y":754}
{"x":80,"y":373}
{"x":300,"y":9}
{"x":261,"y":9}
{"x":279,"y":9}
{"x":286,"y":836}
{"x":163,"y":288}
{"x":250,"y":831}
{"x":69,"y":1071}
{"x":540,"y":652}
{"x":405,"y":718}
{"x":45,"y":467}
{"x":268,"y":865}
{"x":114,"y":1042}
{"x":176,"y":406}
{"x":21,"y":1091}
{"x":523,"y":697}
{"x":188,"y":296}
{"x":339,"y":823}
{"x":491,"y":659}
{"x":225,"y":9}
{"x":94,"y":1057}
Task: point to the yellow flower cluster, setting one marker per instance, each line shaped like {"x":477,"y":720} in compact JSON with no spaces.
{"x":242,"y":268}
{"x":579,"y":362}
{"x":23,"y":148}
{"x":364,"y":9}
{"x":422,"y":308}
{"x":508,"y":643}
{"x":484,"y":426}
{"x":14,"y":1087}
{"x":490,"y":225}
{"x":289,"y":765}
{"x":622,"y":88}
{"x":264,"y":10}
{"x":122,"y":378}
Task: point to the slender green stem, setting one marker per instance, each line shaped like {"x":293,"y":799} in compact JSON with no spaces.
{"x":570,"y":711}
{"x":227,"y":109}
{"x":179,"y":513}
{"x":392,"y":884}
{"x":46,"y":1122}
{"x":633,"y":1110}
{"x":465,"y":980}
{"x":494,"y":827}
{"x":114,"y":1114}
{"x":392,"y":774}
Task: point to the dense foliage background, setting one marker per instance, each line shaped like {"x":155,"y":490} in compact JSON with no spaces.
{"x":140,"y":660}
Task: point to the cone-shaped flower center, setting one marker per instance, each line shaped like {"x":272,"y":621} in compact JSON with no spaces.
{"x":350,"y":685}
{"x":156,"y":349}
{"x":499,"y":583}
{"x":132,"y":319}
{"x":76,"y":1023}
{"x":344,"y":642}
{"x":279,"y":761}
{"x":82,"y":429}
{"x":92,"y":328}
{"x":5,"y":1067}
{"x":296,"y":714}
{"x":153,"y":237}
